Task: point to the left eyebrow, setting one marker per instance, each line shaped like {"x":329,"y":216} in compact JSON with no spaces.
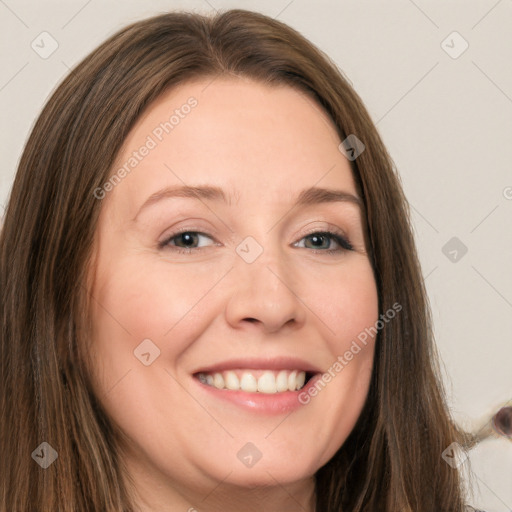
{"x":307,"y":197}
{"x":317,"y":195}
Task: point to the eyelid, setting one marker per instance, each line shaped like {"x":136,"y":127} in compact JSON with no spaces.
{"x":333,"y":232}
{"x":331,"y":228}
{"x":165,"y":242}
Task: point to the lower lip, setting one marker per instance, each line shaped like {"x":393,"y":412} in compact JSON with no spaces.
{"x":265,"y":403}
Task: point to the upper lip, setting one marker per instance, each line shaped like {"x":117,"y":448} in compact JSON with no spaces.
{"x":274,"y":363}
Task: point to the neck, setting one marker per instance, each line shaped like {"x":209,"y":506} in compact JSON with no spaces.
{"x":296,"y":497}
{"x":154,"y":495}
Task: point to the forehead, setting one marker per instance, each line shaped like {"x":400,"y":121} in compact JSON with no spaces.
{"x":259,"y":142}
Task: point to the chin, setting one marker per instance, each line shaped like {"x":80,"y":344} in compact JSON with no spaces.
{"x":275,"y":470}
{"x":264,"y":478}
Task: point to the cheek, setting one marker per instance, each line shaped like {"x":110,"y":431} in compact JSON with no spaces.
{"x":348,"y":308}
{"x":346,"y":302}
{"x":161,"y":301}
{"x":151,"y":299}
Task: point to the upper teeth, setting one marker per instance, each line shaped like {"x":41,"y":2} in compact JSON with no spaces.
{"x":248,"y":380}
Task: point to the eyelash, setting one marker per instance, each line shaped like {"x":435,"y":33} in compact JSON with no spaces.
{"x":338,"y":237}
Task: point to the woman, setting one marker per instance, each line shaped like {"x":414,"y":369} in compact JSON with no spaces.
{"x":211,"y":298}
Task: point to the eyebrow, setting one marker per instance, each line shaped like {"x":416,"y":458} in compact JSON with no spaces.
{"x":307,"y":197}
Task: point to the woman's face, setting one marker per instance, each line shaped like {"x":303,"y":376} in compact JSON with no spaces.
{"x":211,"y":269}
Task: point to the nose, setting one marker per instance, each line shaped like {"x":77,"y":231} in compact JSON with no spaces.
{"x":263,"y":294}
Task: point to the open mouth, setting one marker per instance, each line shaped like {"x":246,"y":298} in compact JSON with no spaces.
{"x":256,"y":381}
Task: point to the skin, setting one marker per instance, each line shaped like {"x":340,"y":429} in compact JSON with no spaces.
{"x":262,"y":145}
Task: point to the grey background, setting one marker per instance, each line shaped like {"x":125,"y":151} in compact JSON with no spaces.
{"x":446,"y":120}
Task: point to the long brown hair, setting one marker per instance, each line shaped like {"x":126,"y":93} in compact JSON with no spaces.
{"x":391,"y":460}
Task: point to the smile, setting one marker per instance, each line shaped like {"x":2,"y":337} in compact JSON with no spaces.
{"x":255,"y":381}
